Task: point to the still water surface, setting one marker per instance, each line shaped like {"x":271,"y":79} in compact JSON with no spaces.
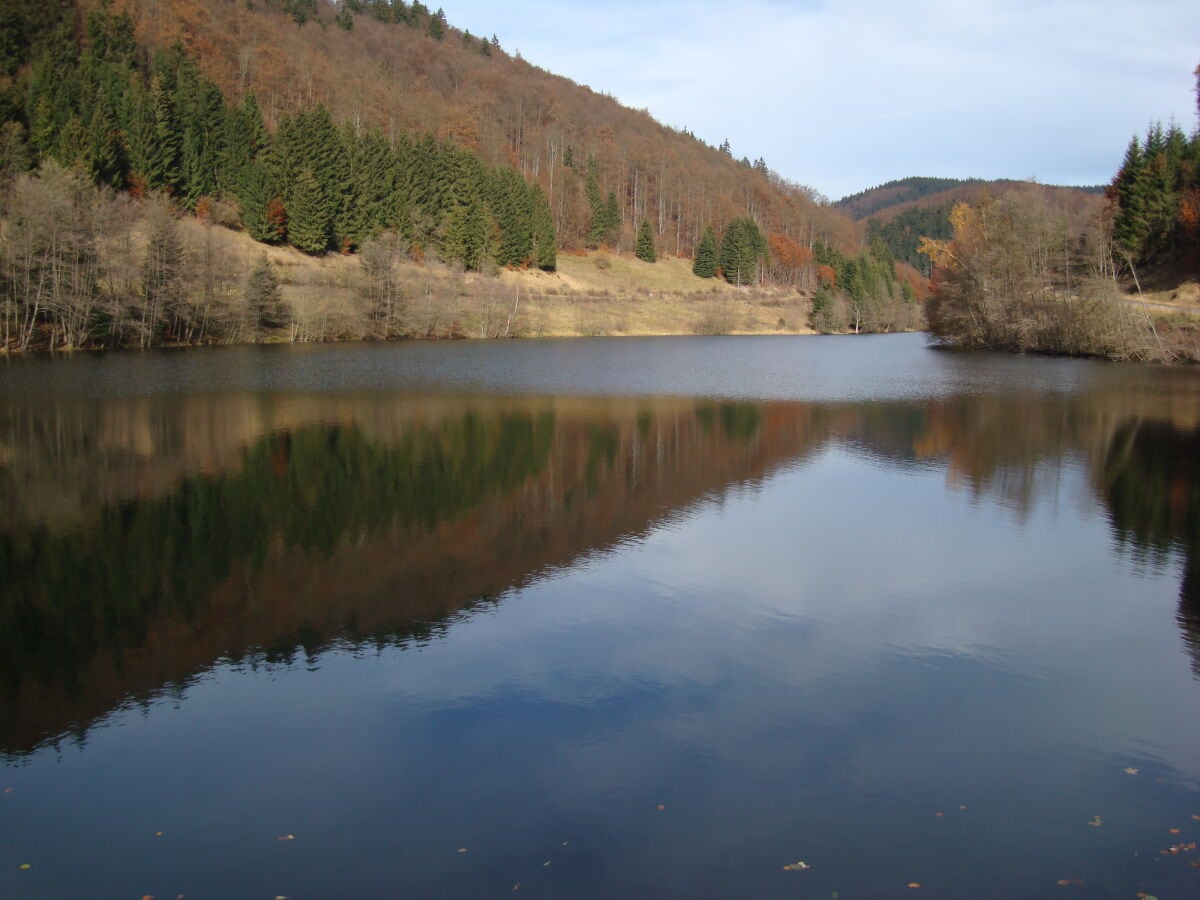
{"x":619,"y":618}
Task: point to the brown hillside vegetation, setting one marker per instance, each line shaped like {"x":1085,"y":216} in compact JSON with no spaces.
{"x":1074,"y":200}
{"x":400,"y":79}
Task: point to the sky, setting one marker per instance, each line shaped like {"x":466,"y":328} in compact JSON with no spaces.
{"x":843,"y":95}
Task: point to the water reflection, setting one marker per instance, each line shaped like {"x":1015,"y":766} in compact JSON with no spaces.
{"x":145,"y":540}
{"x":1150,"y":479}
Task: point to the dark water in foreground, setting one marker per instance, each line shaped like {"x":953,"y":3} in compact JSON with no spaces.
{"x":640,"y":618}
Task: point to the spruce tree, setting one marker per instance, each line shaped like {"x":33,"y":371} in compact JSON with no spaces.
{"x":308,"y":218}
{"x":741,"y":250}
{"x":645,"y":249}
{"x":545,"y":242}
{"x":437,"y":25}
{"x":255,"y":194}
{"x":264,"y":300}
{"x":705,"y":263}
{"x":512,"y":207}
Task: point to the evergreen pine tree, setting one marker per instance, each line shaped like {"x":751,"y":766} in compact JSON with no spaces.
{"x":545,"y":242}
{"x":105,"y":150}
{"x":308,"y":219}
{"x":645,"y":249}
{"x":1132,"y":188}
{"x":264,"y":300}
{"x":255,"y":194}
{"x":705,"y":263}
{"x":741,"y":250}
{"x":437,"y":25}
{"x":512,"y":207}
{"x":164,"y":157}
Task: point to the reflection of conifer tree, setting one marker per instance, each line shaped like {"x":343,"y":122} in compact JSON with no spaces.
{"x":1151,"y":481}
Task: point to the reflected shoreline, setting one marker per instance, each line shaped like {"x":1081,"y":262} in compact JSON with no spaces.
{"x":149,"y":539}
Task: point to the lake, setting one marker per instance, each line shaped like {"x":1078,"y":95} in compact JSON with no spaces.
{"x":679,"y":617}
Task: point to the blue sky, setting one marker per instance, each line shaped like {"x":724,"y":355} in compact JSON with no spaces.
{"x":844,"y":95}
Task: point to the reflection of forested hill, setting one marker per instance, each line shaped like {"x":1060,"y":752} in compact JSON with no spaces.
{"x":332,"y":531}
{"x":145,"y":541}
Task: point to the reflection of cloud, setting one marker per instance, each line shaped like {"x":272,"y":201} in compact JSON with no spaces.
{"x":1003,"y":88}
{"x":761,"y":607}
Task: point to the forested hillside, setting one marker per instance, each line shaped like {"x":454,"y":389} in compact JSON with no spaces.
{"x":401,"y":71}
{"x":866,"y":203}
{"x":367,"y":127}
{"x":902,"y":212}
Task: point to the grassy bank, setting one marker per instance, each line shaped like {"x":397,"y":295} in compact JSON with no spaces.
{"x":600,"y":293}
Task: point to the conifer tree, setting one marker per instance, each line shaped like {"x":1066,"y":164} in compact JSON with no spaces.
{"x":437,"y":25}
{"x":545,"y":244}
{"x":105,"y":151}
{"x":645,"y":249}
{"x":264,"y":300}
{"x":705,"y":263}
{"x":513,"y":210}
{"x":308,"y":218}
{"x":606,"y":215}
{"x":1132,"y":188}
{"x":741,"y":250}
{"x":255,"y":194}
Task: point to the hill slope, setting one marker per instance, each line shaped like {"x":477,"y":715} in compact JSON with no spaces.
{"x":376,"y":71}
{"x":890,"y":199}
{"x":900,"y":213}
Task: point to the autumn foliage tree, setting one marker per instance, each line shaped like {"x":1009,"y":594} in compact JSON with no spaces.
{"x":1014,"y":278}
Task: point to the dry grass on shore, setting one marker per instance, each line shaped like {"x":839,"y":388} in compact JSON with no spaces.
{"x":600,"y":293}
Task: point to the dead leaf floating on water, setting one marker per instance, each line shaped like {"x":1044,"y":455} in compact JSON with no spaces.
{"x":1173,"y":830}
{"x":24,"y":866}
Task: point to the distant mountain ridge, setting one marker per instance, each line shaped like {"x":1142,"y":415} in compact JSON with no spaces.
{"x":902,"y":212}
{"x":909,"y":192}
